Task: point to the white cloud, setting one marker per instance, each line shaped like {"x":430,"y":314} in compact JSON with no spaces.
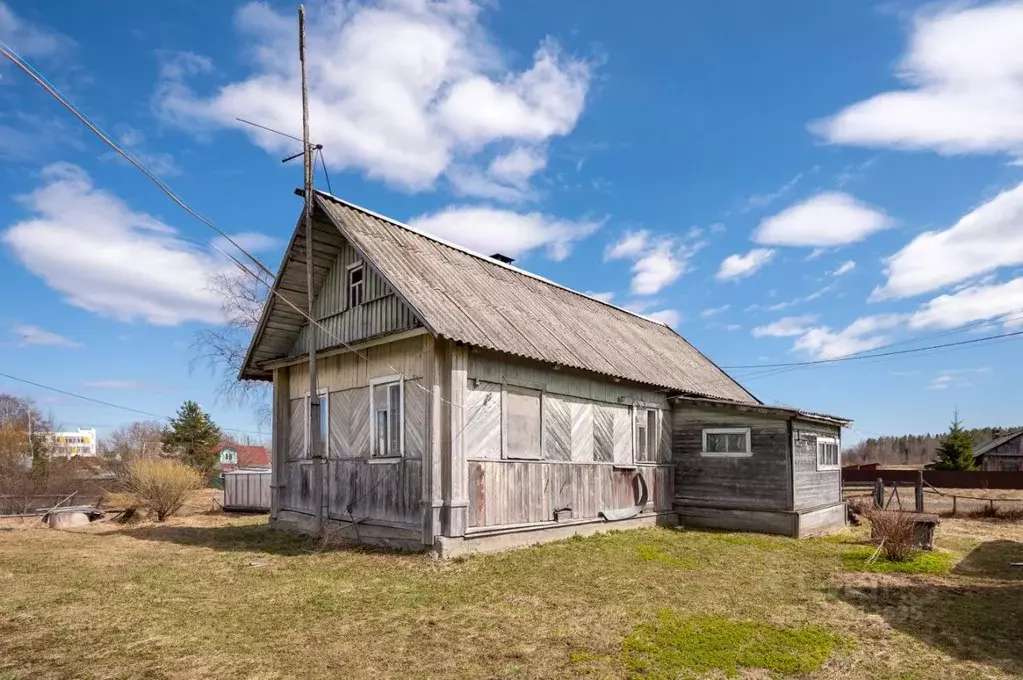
{"x":740,"y":266}
{"x":831,"y":218}
{"x":491,"y":230}
{"x":963,"y":71}
{"x":403,"y":91}
{"x":733,"y":327}
{"x":506,"y":179}
{"x":669,"y":317}
{"x":659,"y":262}
{"x":603,"y":297}
{"x":820,"y":292}
{"x":102,"y":256}
{"x":764,"y":200}
{"x":989,"y":237}
{"x":630,"y":245}
{"x":713,"y":311}
{"x":785,"y":327}
{"x":861,"y":335}
{"x":33,"y":335}
{"x":29,"y":39}
{"x":973,"y":303}
{"x":844,"y":268}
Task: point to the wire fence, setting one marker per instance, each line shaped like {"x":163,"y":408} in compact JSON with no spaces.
{"x":1007,"y":504}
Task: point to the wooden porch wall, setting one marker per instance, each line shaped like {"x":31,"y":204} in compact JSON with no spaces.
{"x":387,"y":493}
{"x":520,"y":492}
{"x":811,"y":487}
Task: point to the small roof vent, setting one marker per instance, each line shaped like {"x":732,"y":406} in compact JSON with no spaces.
{"x":502,"y":258}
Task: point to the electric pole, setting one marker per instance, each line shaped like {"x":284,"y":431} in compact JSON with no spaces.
{"x":314,"y":443}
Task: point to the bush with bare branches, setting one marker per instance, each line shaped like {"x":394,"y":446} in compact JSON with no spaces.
{"x":161,"y":485}
{"x":895,"y":531}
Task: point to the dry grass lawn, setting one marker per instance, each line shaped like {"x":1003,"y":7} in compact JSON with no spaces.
{"x":223,"y":596}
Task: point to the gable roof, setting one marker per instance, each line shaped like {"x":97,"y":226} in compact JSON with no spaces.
{"x":247,"y":455}
{"x":479,"y":301}
{"x":995,"y":443}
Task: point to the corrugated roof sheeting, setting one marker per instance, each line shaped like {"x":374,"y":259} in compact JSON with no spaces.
{"x":472,"y":299}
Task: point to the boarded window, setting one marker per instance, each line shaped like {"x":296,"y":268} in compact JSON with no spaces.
{"x":603,"y":433}
{"x":521,"y":423}
{"x":386,"y":413}
{"x":624,"y":451}
{"x":582,"y":430}
{"x":356,"y":283}
{"x":828,"y":453}
{"x":733,"y":441}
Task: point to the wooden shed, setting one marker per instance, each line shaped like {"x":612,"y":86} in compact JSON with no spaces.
{"x":471,"y":405}
{"x":1003,"y":454}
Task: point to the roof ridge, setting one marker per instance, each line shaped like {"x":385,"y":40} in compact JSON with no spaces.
{"x":489,"y":260}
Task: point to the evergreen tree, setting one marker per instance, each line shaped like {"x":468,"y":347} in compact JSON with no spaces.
{"x":194,"y":436}
{"x":956,"y":450}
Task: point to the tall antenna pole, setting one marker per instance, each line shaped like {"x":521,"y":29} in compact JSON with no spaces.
{"x":315,"y":446}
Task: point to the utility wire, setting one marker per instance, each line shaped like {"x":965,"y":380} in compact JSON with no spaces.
{"x":326,"y":174}
{"x":66,"y":103}
{"x":269,"y":129}
{"x":107,"y":403}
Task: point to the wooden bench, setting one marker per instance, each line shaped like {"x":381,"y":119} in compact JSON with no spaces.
{"x":924,"y":530}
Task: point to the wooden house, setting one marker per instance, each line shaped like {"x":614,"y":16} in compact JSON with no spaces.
{"x":470,"y":405}
{"x":1004,"y":454}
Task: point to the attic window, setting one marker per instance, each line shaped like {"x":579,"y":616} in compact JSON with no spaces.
{"x":356,"y":274}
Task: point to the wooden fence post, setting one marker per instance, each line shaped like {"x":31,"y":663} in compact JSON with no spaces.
{"x":879,"y":493}
{"x":920,"y":491}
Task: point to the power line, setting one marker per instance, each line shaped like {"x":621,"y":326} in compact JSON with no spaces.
{"x":852,"y":357}
{"x":326,"y":174}
{"x":107,"y":403}
{"x":268,"y":129}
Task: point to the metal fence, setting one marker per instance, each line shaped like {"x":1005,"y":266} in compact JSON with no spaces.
{"x":247,"y":490}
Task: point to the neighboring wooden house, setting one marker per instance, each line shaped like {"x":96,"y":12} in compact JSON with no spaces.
{"x":469,"y":405}
{"x":237,"y":457}
{"x":1004,"y":454}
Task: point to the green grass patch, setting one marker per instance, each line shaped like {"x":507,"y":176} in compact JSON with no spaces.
{"x":653,"y":553}
{"x":923,"y":562}
{"x":762,"y":542}
{"x":672,"y":646}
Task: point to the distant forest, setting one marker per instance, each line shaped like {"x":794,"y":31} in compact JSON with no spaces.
{"x":912,"y":449}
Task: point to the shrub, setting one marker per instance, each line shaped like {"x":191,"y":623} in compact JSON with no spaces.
{"x":895,"y":531}
{"x":160,"y":485}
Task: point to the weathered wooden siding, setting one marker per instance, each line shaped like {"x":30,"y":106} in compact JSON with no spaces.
{"x":388,"y":493}
{"x":1006,"y":457}
{"x":381,"y":311}
{"x":528,"y":492}
{"x":822,"y":521}
{"x":761,"y":481}
{"x":811,"y":487}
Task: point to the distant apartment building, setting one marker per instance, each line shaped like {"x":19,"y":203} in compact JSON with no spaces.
{"x":71,"y":444}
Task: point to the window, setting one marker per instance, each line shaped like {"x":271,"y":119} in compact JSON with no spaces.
{"x":828,"y":455}
{"x":522,"y":422}
{"x":387,"y":409}
{"x":646,"y":435}
{"x":356,"y":274}
{"x":727,"y":441}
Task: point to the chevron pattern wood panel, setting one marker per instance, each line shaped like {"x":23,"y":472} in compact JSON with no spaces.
{"x":415,"y":418}
{"x":338,"y":405}
{"x":483,"y":421}
{"x":603,"y":433}
{"x":582,"y":430}
{"x":296,"y":430}
{"x":358,"y":419}
{"x":557,"y":422}
{"x":622,"y":434}
{"x":664,"y":450}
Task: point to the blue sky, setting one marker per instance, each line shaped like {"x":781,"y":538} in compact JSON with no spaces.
{"x":778,"y":181}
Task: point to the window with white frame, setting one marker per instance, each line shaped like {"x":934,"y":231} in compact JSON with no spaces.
{"x":387,"y":417}
{"x":828,"y":454}
{"x":727,"y":441}
{"x":356,"y":282}
{"x":523,"y":424}
{"x":324,"y":425}
{"x":646,"y":435}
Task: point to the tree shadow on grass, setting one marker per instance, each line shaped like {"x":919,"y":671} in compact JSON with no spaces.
{"x":978,"y":622}
{"x":247,"y":538}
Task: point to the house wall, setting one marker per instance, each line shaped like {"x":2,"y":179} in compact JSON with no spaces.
{"x":1007,"y":457}
{"x":813,"y":488}
{"x":579,"y":461}
{"x":387,"y":493}
{"x":761,"y":481}
{"x":381,"y":311}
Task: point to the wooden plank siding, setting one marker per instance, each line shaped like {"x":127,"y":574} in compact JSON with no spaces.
{"x":388,"y":493}
{"x":811,"y":487}
{"x":758,"y":482}
{"x":528,"y":492}
{"x":380,"y":313}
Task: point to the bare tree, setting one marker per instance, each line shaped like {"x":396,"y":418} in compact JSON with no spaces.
{"x":135,"y":440}
{"x":222,"y":349}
